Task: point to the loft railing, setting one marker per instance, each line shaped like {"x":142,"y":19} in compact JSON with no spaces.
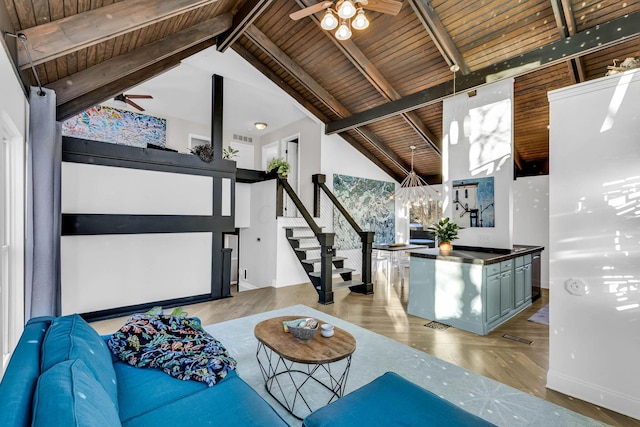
{"x":366,"y":237}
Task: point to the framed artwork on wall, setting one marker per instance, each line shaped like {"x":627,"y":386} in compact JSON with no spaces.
{"x":107,"y":124}
{"x":369,"y":202}
{"x":473,"y":202}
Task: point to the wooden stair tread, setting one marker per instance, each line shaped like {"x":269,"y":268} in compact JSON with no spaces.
{"x":334,"y":271}
{"x":302,"y":237}
{"x":315,"y":260}
{"x":345,"y":284}
{"x":308,"y":248}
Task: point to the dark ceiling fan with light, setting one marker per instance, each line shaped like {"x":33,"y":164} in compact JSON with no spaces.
{"x":347,"y":14}
{"x":127,"y":99}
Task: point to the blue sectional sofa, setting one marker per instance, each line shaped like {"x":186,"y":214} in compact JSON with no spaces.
{"x":63,"y":374}
{"x":391,"y":400}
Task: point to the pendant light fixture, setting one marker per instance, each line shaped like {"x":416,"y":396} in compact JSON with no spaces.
{"x":413,"y":189}
{"x":454,"y":129}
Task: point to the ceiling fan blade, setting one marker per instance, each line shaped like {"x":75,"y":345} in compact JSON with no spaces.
{"x":390,"y":7}
{"x":138,"y":96}
{"x":310,"y":10}
{"x":133,"y":104}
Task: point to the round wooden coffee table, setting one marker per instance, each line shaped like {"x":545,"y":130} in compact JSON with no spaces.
{"x":288,"y":364}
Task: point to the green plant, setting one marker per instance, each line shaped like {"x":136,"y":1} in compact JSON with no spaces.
{"x":205,"y":152}
{"x":229,"y":153}
{"x":445,"y":230}
{"x":280,"y":165}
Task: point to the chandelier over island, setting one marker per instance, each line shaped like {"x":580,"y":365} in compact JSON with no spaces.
{"x":414,"y":191}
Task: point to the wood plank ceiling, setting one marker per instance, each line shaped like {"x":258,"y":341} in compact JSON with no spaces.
{"x":381,"y":90}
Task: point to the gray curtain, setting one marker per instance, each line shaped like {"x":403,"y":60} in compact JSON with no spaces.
{"x":44,"y":157}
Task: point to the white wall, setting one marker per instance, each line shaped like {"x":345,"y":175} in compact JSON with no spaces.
{"x":594,"y":209}
{"x":531,"y":217}
{"x":172,"y":265}
{"x":486,"y":152}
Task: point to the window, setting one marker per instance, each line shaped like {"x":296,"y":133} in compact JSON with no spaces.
{"x":11,"y":237}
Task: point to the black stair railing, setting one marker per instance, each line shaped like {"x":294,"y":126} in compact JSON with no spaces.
{"x":366,"y":237}
{"x":325,"y":291}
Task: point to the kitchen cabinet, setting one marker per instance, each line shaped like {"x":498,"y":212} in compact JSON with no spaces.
{"x":470,"y":291}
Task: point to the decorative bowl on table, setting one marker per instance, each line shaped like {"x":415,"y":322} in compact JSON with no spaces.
{"x":303,"y":329}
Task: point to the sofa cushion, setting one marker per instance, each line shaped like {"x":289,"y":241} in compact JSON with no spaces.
{"x":21,"y":376}
{"x":151,"y":388}
{"x":232,"y":402}
{"x":391,"y":400}
{"x":71,"y":337}
{"x":69,"y":395}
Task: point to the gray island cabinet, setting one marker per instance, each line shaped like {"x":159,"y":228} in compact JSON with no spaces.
{"x":472,"y":289}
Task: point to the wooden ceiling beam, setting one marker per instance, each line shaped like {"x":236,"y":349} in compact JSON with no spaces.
{"x":377,"y":80}
{"x":101,"y":94}
{"x":566,"y":23}
{"x":58,"y":38}
{"x":248,"y":13}
{"x":439,"y":34}
{"x":594,"y":39}
{"x":295,"y":70}
{"x":82,"y":82}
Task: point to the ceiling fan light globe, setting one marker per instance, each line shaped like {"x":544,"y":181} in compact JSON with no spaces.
{"x":360,"y":22}
{"x":329,"y":22}
{"x":346,"y":10}
{"x":343,"y":32}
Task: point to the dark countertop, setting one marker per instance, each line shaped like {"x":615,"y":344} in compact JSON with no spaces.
{"x":473,"y":255}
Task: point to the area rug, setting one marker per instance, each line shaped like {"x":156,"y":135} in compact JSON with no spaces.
{"x":376,"y":354}
{"x":541,"y":316}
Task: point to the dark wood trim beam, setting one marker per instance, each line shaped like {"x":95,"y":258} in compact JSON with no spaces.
{"x":375,"y":77}
{"x":98,"y":224}
{"x":601,"y":37}
{"x":80,"y":83}
{"x":439,"y":34}
{"x":63,"y":36}
{"x":96,"y":96}
{"x":248,"y":13}
{"x":217,"y":113}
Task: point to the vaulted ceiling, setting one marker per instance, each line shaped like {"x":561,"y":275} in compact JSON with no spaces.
{"x":382,"y":90}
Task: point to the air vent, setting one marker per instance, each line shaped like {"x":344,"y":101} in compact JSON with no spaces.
{"x":242,"y":138}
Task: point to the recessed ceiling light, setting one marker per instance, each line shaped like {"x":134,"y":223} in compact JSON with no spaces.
{"x":260,"y":125}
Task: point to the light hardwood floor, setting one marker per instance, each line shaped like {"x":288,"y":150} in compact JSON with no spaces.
{"x":513,"y":363}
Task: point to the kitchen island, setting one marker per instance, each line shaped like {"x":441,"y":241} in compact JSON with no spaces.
{"x":474,"y":289}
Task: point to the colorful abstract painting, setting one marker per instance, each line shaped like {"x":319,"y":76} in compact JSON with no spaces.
{"x":369,"y":203}
{"x":116,"y":126}
{"x":473,"y":204}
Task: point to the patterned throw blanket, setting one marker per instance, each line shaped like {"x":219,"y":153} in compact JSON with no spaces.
{"x":177,"y":345}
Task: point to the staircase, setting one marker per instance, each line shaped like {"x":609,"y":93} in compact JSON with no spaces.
{"x":308,"y":240}
{"x":306,"y":245}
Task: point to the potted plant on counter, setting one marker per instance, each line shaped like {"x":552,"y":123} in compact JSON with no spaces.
{"x":446,"y":232}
